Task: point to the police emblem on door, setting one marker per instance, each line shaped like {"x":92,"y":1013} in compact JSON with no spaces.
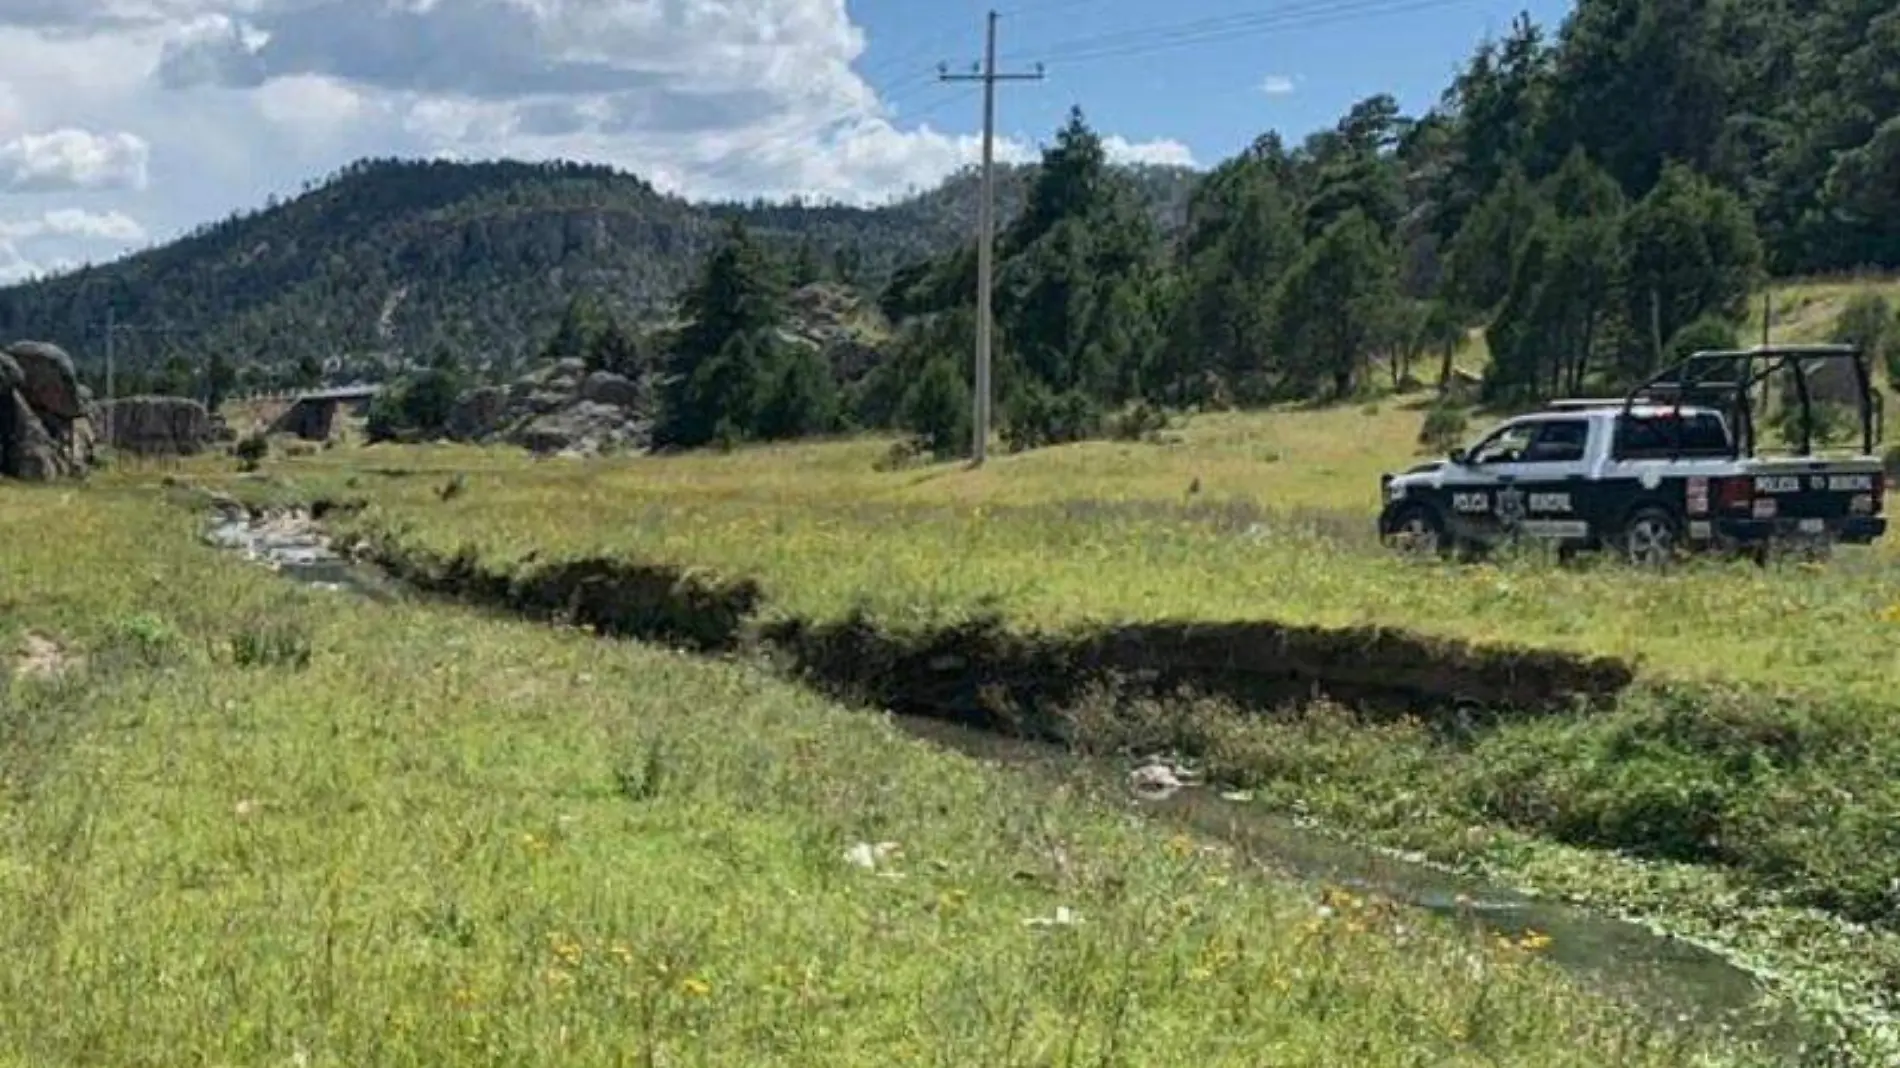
{"x":1510,"y":505}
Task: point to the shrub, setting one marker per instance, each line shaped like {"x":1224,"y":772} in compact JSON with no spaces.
{"x":1039,"y":418}
{"x":937,"y":408}
{"x":1444,"y":428}
{"x":272,"y":643}
{"x":251,"y":451}
{"x":1143,"y":422}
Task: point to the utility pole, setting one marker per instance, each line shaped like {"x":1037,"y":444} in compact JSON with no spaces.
{"x":111,"y":332}
{"x":986,"y":231}
{"x":113,"y":329}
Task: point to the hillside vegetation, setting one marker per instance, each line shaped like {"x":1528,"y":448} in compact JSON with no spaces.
{"x":391,"y":261}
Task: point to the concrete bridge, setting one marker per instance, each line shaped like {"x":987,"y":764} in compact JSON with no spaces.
{"x":312,"y":415}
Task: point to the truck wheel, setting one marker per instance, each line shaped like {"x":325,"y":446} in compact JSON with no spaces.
{"x":1650,"y":536}
{"x":1418,"y":531}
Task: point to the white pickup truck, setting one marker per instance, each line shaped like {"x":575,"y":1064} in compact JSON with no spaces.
{"x":1646,"y":476}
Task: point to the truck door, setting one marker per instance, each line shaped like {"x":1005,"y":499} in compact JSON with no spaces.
{"x":1543,"y":490}
{"x":1526,"y":478}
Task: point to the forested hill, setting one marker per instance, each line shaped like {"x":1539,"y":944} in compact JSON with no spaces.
{"x":1585,"y":192}
{"x":392,"y":259}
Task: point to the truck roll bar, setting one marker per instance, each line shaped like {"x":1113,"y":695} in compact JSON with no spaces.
{"x":1688,"y":382}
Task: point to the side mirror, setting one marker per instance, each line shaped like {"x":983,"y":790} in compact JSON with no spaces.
{"x":1458,"y":457}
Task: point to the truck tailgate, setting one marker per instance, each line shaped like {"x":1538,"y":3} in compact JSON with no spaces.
{"x":1816,"y":489}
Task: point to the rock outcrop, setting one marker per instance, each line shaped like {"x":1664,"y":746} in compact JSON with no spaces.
{"x":560,"y":408}
{"x":48,"y":382}
{"x":836,"y":321}
{"x":158,"y":426}
{"x":42,"y":414}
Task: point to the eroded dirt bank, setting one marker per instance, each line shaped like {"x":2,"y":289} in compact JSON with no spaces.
{"x":982,"y":671}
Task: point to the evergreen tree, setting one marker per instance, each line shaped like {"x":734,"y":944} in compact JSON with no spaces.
{"x":938,"y":408}
{"x":1481,"y":258}
{"x":220,"y":380}
{"x":721,"y":362}
{"x":804,"y":265}
{"x":1561,"y":305}
{"x":799,"y":397}
{"x":614,"y":348}
{"x":1689,"y":250}
{"x":309,"y":372}
{"x":1335,"y":306}
{"x":574,"y":339}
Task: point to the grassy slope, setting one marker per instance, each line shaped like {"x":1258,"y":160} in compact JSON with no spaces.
{"x":453,"y":840}
{"x":1280,"y":528}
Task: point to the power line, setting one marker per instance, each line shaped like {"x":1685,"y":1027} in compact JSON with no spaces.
{"x":1163,"y":36}
{"x":1114,"y":44}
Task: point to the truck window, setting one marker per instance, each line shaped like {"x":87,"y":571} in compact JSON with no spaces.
{"x":1544,"y":441}
{"x":1559,"y":441}
{"x":1656,"y":436}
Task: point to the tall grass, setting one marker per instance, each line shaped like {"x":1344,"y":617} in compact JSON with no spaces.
{"x":399,"y":834}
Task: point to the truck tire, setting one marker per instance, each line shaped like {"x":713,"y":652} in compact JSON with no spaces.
{"x":1418,"y":531}
{"x":1650,"y":536}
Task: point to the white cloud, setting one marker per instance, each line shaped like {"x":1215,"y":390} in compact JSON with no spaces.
{"x":112,"y":226}
{"x":1277,"y":85}
{"x":221,"y":102}
{"x":73,"y":159}
{"x":14,"y":266}
{"x":1163,"y":152}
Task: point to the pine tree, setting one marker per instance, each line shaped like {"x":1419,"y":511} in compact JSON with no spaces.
{"x":720,"y":360}
{"x":1335,"y":306}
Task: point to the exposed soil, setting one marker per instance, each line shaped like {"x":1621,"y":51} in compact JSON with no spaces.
{"x":983,"y":672}
{"x":42,"y":658}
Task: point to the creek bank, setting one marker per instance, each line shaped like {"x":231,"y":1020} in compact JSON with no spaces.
{"x":982,"y":671}
{"x":1676,"y":983}
{"x":980,"y":675}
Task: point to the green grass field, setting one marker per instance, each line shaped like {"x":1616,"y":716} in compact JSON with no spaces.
{"x":434,"y":842}
{"x":1752,"y":749}
{"x":243,"y":822}
{"x":1248,"y":517}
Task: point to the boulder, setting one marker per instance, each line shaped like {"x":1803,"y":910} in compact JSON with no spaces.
{"x":49,"y":385}
{"x":158,"y":426}
{"x":587,"y":427}
{"x":547,"y":402}
{"x":478,"y":413}
{"x":11,"y":377}
{"x":27,"y":450}
{"x":605,"y":387}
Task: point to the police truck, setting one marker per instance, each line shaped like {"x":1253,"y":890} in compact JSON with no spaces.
{"x":1672,"y":466}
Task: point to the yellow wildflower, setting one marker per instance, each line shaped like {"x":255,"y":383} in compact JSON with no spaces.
{"x":696,"y":987}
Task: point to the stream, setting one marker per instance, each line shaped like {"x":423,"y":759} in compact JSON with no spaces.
{"x":1678,"y":984}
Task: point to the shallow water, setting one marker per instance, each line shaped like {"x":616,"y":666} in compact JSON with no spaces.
{"x":1681,"y":985}
{"x":1677,"y":983}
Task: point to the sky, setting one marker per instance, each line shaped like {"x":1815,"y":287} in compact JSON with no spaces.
{"x":125,"y":123}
